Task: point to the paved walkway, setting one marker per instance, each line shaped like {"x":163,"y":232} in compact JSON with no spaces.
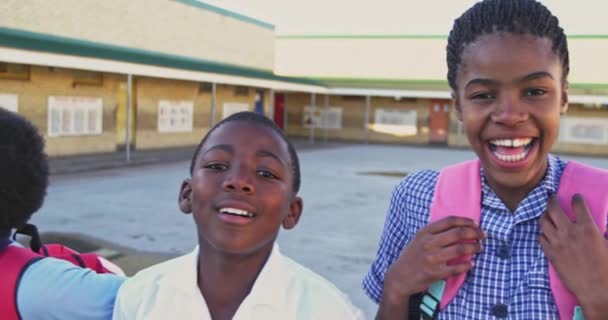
{"x":132,"y":210}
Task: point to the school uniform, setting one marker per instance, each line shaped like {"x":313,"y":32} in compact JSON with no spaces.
{"x":510,"y":278}
{"x":283,"y":290}
{"x":56,"y":289}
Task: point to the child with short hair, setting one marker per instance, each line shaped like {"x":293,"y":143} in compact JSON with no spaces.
{"x":34,"y":287}
{"x":507,"y":68}
{"x":245,"y":176}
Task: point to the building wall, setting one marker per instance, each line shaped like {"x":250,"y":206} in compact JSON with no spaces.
{"x":409,"y":58}
{"x":33,"y":96}
{"x":353,"y":118}
{"x":171,"y":27}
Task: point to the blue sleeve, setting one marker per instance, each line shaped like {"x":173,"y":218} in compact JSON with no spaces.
{"x":408,"y":212}
{"x":55,"y":289}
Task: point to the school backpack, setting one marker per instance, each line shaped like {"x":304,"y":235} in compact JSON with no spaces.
{"x":465,"y":177}
{"x":15,"y":260}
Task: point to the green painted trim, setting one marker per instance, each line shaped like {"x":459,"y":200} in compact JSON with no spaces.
{"x":377,"y":80}
{"x":227,"y":13}
{"x":63,"y":45}
{"x":583,"y":85}
{"x":364,"y":36}
{"x":403,"y":36}
{"x":588,"y":36}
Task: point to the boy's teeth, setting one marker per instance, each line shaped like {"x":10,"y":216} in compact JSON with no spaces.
{"x":237,"y":212}
{"x":511,"y":142}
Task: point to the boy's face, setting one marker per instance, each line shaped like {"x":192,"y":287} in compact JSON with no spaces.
{"x":510,"y":95}
{"x":241,"y":190}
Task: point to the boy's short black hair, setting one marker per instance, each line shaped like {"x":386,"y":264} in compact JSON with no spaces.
{"x":24,"y":170}
{"x":514,"y":16}
{"x":255,"y":118}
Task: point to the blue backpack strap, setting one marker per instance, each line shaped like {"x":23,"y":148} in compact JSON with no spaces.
{"x":466,"y":202}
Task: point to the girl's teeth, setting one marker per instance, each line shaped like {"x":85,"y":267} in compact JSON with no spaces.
{"x":511,"y":157}
{"x":511,"y":142}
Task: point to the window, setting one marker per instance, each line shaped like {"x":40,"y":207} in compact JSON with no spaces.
{"x":241,"y":91}
{"x":87,"y":78}
{"x":14,"y":71}
{"x":175,"y":116}
{"x":74,"y":116}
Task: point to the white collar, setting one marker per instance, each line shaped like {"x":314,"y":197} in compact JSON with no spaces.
{"x":269,"y":289}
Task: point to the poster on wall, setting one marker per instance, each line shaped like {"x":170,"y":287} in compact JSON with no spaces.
{"x":328,"y":118}
{"x":395,"y":122}
{"x":231,"y":108}
{"x":175,"y":115}
{"x":9,"y":102}
{"x":74,"y":116}
{"x":583,"y":130}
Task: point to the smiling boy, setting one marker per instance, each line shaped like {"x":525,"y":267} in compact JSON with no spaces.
{"x":245,"y":176}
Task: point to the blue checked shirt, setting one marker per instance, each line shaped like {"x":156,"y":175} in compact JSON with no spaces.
{"x":510,"y":277}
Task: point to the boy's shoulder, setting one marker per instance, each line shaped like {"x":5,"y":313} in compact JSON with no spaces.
{"x":145,"y":282}
{"x":317,"y":297}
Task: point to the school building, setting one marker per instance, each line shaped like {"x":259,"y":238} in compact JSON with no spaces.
{"x":150,"y":74}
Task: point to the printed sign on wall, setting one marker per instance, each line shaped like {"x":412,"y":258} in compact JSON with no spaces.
{"x":175,"y":115}
{"x":231,"y":108}
{"x":395,"y":122}
{"x":583,"y":130}
{"x":74,"y":116}
{"x":9,"y":102}
{"x":328,"y":118}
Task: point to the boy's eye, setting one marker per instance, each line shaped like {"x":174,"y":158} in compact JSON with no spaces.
{"x":216,"y":166}
{"x":267,"y":174}
{"x":534,"y":92}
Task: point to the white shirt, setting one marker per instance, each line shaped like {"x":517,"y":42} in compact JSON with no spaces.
{"x":283,"y":290}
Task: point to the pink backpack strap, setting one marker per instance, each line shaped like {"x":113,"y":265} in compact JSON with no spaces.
{"x":457,"y":193}
{"x":592,"y":184}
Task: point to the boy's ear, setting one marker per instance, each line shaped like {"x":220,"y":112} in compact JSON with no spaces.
{"x":184,"y":199}
{"x":295,"y":211}
{"x":457,"y":106}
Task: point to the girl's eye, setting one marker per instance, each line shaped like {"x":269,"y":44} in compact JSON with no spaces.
{"x":266,"y":174}
{"x":216,"y":166}
{"x":482,"y":96}
{"x":534,"y":92}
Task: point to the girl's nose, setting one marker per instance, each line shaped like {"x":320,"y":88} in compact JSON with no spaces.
{"x":509,"y":111}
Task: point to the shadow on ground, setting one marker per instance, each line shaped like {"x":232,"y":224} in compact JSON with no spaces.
{"x":129,"y":260}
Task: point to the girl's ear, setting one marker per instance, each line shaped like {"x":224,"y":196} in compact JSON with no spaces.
{"x":184,"y":199}
{"x":564,"y":103}
{"x":295,"y":211}
{"x":457,"y":106}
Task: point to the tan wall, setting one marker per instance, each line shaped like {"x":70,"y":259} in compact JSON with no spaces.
{"x":150,"y":90}
{"x":148,"y":93}
{"x":33,"y":103}
{"x":353,"y":118}
{"x":157,"y":25}
{"x":580,"y":148}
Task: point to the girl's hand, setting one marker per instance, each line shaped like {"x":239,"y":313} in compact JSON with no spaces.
{"x":425,"y":259}
{"x":579,"y":253}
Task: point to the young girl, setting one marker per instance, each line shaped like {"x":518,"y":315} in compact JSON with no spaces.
{"x":244,"y":179}
{"x":507,"y":67}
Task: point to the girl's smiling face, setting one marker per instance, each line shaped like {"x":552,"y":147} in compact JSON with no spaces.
{"x":510,"y":94}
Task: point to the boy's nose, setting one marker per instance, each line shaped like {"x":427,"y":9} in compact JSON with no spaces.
{"x":509,"y":111}
{"x":237,"y":182}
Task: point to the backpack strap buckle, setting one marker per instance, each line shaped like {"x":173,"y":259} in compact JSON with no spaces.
{"x":429,"y":308}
